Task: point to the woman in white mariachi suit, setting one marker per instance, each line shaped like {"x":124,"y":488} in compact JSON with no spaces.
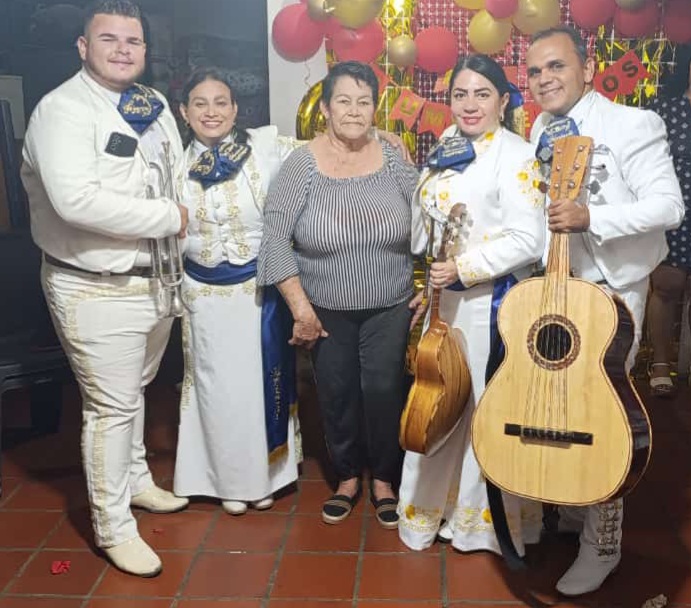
{"x":504,"y":234}
{"x":238,"y":437}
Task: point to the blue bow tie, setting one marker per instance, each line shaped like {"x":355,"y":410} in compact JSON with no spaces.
{"x":140,"y":107}
{"x":219,"y":164}
{"x":451,"y":153}
{"x":558,"y":127}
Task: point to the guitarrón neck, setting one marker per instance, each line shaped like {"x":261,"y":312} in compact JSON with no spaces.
{"x":454,"y":220}
{"x":570,"y":162}
{"x":436,"y":293}
{"x":558,"y":262}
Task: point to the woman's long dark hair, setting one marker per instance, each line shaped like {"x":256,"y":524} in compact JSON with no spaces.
{"x":221,"y":75}
{"x":490,"y":69}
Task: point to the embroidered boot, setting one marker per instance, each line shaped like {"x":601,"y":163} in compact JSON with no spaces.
{"x":600,"y":550}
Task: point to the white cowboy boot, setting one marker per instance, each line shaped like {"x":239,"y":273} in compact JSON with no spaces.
{"x":158,"y":500}
{"x":134,"y":556}
{"x":600,"y":550}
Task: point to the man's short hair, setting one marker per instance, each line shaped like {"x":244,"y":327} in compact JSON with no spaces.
{"x":576,"y":38}
{"x":123,"y":8}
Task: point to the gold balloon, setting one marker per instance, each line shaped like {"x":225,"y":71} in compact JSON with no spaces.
{"x":534,"y":16}
{"x":487,"y":34}
{"x":630,"y":5}
{"x":402,"y":51}
{"x":318,"y":10}
{"x":310,"y":120}
{"x":473,"y":5}
{"x":355,"y":13}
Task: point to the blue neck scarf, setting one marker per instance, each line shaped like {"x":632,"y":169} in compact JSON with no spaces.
{"x":219,"y":164}
{"x":140,"y":107}
{"x":558,"y":127}
{"x":454,"y":152}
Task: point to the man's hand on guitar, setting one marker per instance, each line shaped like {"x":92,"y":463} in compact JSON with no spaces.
{"x":307,"y":329}
{"x":443,"y":274}
{"x":419,"y":306}
{"x":565,"y":215}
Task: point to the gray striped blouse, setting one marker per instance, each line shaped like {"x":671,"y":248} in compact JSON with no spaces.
{"x":348,"y":239}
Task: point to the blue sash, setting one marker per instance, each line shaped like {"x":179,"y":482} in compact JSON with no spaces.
{"x":496,"y":352}
{"x":278,"y":357}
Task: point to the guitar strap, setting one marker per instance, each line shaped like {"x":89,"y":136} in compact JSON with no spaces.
{"x":496,"y":503}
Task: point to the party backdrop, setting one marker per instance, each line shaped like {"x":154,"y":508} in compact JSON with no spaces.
{"x":412,"y":44}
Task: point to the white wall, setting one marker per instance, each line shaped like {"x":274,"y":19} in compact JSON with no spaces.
{"x":288,"y":81}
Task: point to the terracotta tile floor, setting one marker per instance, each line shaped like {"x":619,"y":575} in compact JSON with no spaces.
{"x":286,"y":558}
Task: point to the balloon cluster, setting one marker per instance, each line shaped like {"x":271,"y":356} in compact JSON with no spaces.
{"x":490,"y":28}
{"x":299,"y":29}
{"x":356,"y":34}
{"x":435,"y":49}
{"x":636,"y":18}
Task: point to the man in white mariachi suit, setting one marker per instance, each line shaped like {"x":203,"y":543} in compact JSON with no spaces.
{"x":620,"y":235}
{"x":86,"y":171}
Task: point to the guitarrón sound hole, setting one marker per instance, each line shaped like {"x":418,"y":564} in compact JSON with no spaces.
{"x":553,"y":342}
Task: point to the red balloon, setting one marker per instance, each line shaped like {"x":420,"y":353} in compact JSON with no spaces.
{"x":591,"y":14}
{"x":677,"y":21}
{"x":437,"y":49}
{"x":637,"y":24}
{"x":364,"y":44}
{"x":331,"y":26}
{"x":501,"y":9}
{"x":295,"y":35}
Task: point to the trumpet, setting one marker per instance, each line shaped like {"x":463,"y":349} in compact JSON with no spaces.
{"x":166,"y":253}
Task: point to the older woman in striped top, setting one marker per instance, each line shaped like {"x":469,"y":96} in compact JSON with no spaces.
{"x":337,"y":245}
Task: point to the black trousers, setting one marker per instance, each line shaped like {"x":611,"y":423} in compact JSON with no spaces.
{"x":359,"y":372}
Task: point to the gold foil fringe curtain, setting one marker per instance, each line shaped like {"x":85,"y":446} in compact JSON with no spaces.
{"x":656,"y":54}
{"x":396,"y":19}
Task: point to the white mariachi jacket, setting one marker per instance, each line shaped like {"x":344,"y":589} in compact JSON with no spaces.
{"x":637,"y":197}
{"x":226,"y":220}
{"x":89,"y":207}
{"x":504,"y":228}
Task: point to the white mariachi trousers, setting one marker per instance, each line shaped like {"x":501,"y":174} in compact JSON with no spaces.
{"x":602,"y":523}
{"x":111,"y":332}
